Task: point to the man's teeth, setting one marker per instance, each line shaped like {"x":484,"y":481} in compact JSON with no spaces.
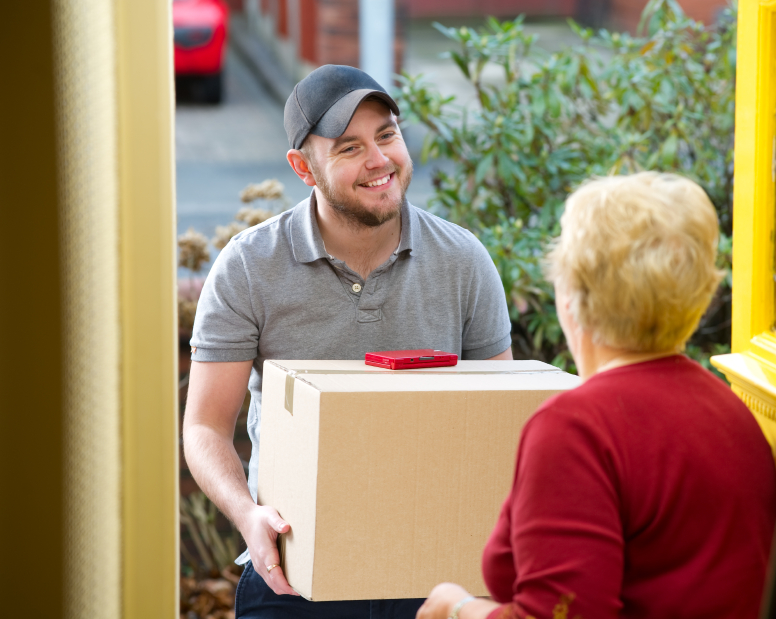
{"x":378,"y":182}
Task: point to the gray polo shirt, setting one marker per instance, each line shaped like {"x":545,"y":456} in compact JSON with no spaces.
{"x":274,"y":293}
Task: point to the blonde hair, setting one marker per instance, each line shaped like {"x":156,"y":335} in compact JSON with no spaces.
{"x":636,"y":256}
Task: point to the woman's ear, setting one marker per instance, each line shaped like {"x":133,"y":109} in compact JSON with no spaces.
{"x":298,"y":163}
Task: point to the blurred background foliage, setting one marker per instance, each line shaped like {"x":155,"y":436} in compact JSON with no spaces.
{"x":614,"y":104}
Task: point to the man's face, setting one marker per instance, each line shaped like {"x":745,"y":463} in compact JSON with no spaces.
{"x":363,"y":174}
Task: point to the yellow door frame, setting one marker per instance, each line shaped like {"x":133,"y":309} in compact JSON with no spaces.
{"x":148,"y":309}
{"x":751,"y":368}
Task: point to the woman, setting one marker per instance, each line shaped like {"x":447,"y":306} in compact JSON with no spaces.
{"x":648,"y":491}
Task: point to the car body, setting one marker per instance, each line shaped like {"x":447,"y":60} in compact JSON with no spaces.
{"x":201,"y":29}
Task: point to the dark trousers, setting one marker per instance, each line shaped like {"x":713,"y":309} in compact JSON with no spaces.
{"x":255,"y":600}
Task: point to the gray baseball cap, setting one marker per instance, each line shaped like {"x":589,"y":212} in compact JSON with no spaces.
{"x":324,"y":102}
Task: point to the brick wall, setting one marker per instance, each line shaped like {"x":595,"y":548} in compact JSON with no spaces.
{"x":281,"y":17}
{"x":625,"y":14}
{"x":402,"y":17}
{"x":308,"y":30}
{"x":337,"y":32}
{"x":497,"y":8}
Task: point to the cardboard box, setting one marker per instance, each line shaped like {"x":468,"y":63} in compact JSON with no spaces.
{"x":392,"y":480}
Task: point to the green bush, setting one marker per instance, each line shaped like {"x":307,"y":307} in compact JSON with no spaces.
{"x":615,"y":103}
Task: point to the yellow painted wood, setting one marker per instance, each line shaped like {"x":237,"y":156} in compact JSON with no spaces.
{"x":148,"y":306}
{"x":87,"y":147}
{"x":754,"y":381}
{"x":751,"y":369}
{"x":753,"y":215}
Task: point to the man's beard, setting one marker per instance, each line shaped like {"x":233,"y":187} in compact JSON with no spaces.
{"x":351,"y":209}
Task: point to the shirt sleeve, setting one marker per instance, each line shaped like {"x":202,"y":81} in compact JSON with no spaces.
{"x":565,"y":527}
{"x":487,"y":329}
{"x":226,"y":327}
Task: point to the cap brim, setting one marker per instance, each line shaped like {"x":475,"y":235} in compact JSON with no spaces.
{"x":337,"y":118}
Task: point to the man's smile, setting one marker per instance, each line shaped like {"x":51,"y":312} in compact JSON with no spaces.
{"x":379,"y":182}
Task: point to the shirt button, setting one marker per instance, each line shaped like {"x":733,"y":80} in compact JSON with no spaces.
{"x":356,"y":288}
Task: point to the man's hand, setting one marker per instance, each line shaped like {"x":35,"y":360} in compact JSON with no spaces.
{"x":261,"y":529}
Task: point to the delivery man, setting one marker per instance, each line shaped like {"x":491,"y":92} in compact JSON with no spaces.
{"x":354,"y":268}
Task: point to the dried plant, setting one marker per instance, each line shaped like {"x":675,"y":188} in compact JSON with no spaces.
{"x":193,"y":250}
{"x":252,"y":216}
{"x":225,"y":233}
{"x":216,"y":551}
{"x":187,"y":309}
{"x":207,"y":599}
{"x":193,"y":247}
{"x":271,"y":189}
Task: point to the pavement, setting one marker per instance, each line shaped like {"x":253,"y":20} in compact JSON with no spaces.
{"x":260,"y":60}
{"x":221,"y":149}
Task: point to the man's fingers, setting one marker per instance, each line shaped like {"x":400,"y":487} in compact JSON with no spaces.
{"x":275,"y":521}
{"x":264,"y":550}
{"x":275,"y":578}
{"x":269,"y":556}
{"x":281,"y":526}
{"x":278,"y":583}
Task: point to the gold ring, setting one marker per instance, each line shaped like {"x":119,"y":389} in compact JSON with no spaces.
{"x":272,"y":567}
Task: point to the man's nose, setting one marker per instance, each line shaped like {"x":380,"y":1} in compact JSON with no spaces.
{"x":375,"y":157}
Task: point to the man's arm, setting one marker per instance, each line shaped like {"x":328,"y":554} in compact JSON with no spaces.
{"x":486,"y":328}
{"x":216,"y":392}
{"x":504,"y":356}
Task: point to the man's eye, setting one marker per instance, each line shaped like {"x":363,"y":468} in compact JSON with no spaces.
{"x":347,"y":150}
{"x":385,"y":136}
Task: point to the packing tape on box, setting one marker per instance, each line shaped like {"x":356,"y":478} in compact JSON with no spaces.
{"x":292,"y":375}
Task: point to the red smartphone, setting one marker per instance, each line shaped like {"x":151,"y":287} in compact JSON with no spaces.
{"x":408,"y":359}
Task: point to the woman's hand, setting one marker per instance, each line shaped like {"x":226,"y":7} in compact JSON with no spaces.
{"x":441,"y":600}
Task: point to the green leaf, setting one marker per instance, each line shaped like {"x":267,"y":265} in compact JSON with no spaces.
{"x":483,"y":167}
{"x":668,"y":151}
{"x":554,"y":105}
{"x":428,"y":143}
{"x":463,"y":65}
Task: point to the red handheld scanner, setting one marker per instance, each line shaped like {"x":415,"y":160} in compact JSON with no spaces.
{"x":408,"y":359}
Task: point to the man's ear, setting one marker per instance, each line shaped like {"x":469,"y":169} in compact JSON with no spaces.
{"x":298,"y":162}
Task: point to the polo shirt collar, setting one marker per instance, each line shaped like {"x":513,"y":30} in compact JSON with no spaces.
{"x":307,"y":242}
{"x":409,"y":240}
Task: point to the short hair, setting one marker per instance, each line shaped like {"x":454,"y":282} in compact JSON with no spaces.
{"x":636,"y":255}
{"x":309,"y":156}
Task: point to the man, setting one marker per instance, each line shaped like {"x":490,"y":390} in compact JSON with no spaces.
{"x":354,"y":268}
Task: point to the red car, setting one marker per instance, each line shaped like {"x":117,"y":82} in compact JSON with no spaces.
{"x":201,"y":28}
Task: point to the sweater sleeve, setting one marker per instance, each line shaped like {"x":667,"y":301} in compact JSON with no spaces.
{"x":564,"y":525}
